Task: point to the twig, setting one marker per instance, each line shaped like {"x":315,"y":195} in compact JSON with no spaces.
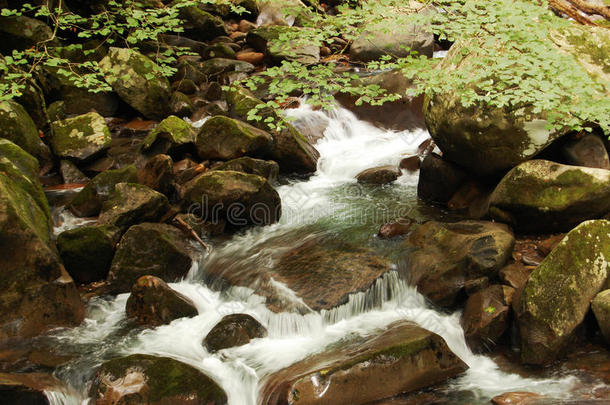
{"x":186,"y":227}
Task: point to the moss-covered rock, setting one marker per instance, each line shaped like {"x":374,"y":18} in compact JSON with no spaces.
{"x":488,"y":139}
{"x":21,"y":32}
{"x":219,"y":50}
{"x":226,"y":138}
{"x":87,"y":252}
{"x":88,"y":202}
{"x":281,"y":13}
{"x":171,"y":135}
{"x":80,"y":138}
{"x":132,"y":204}
{"x":153,"y":380}
{"x":149,"y":249}
{"x":181,"y":105}
{"x":218,"y":66}
{"x":153,"y":303}
{"x":201,"y":25}
{"x":558,"y":293}
{"x":291,"y":150}
{"x":239,"y":198}
{"x":264,"y":168}
{"x":233,"y":330}
{"x":17,"y":126}
{"x":138,"y":81}
{"x":540,"y":196}
{"x":442,"y":257}
{"x":267,"y":39}
{"x":399,"y":359}
{"x":601,"y":309}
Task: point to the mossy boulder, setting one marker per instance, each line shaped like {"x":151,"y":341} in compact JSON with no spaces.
{"x":159,"y":250}
{"x":291,"y":150}
{"x":558,"y":293}
{"x":239,"y":198}
{"x":87,"y":252}
{"x":298,"y":49}
{"x":489,"y":140}
{"x":171,"y":135}
{"x":132,"y":204}
{"x":17,"y":126}
{"x":379,"y":175}
{"x":141,"y":378}
{"x":201,"y":25}
{"x":21,"y":32}
{"x":153,"y":303}
{"x":233,"y":330}
{"x":226,"y":138}
{"x":399,"y":359}
{"x":138,"y":81}
{"x":601,"y":309}
{"x":284,"y":13}
{"x":264,"y":168}
{"x":218,"y":66}
{"x":219,"y":50}
{"x":541,"y":196}
{"x":88,"y":202}
{"x":80,"y":138}
{"x":441,"y":258}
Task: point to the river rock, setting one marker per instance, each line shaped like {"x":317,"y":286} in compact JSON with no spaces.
{"x":588,"y":151}
{"x":88,"y":202}
{"x":439,"y":179}
{"x":601,"y":309}
{"x":398,"y":227}
{"x":401,"y":358}
{"x":264,"y":168}
{"x":291,"y":150}
{"x":159,"y":250}
{"x":158,"y":174}
{"x":378,"y":40}
{"x":226,"y":138}
{"x":21,"y":32}
{"x":36,"y":293}
{"x":201,"y":25}
{"x":485,"y":317}
{"x":239,"y":198}
{"x":558,"y":293}
{"x":233,"y":330}
{"x":153,"y":303}
{"x":27,"y":388}
{"x":379,"y":175}
{"x":17,"y":126}
{"x":218,"y":50}
{"x":80,"y":138}
{"x":517,"y":398}
{"x":515,"y":275}
{"x":267,"y":39}
{"x":285,"y":13}
{"x":540,"y":195}
{"x":442,"y":257}
{"x":170,"y":136}
{"x":152,"y":380}
{"x":181,"y":105}
{"x":87,"y":251}
{"x":71,"y":174}
{"x":131,"y":204}
{"x":138,"y":81}
{"x":218,"y":66}
{"x":489,"y":140}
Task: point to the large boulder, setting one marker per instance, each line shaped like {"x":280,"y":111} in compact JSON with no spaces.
{"x":21,"y":32}
{"x":487,"y":139}
{"x":88,"y":202}
{"x":291,"y":150}
{"x":153,"y":303}
{"x":233,"y":330}
{"x":159,"y":250}
{"x":170,"y":136}
{"x":589,"y":151}
{"x":201,"y":25}
{"x":87,"y":251}
{"x":402,"y":358}
{"x":131,"y":204}
{"x":271,"y":41}
{"x":226,"y":138}
{"x":264,"y":168}
{"x":36,"y":293}
{"x":141,"y":378}
{"x":17,"y":126}
{"x":540,"y":196}
{"x":217,"y":66}
{"x":441,"y":258}
{"x":239,"y":198}
{"x":80,"y":138}
{"x":439,"y":179}
{"x":558,"y":293}
{"x":27,"y":388}
{"x":601,"y":310}
{"x":138,"y":81}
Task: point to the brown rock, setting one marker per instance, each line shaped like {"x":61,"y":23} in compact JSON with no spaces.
{"x":255,"y":58}
{"x":378,"y":175}
{"x":157,"y":174}
{"x":26,"y":389}
{"x":438,"y":179}
{"x":246,"y":26}
{"x":515,"y":275}
{"x":411,"y":163}
{"x":516,"y":398}
{"x":395,"y":228}
{"x":233,"y":330}
{"x":588,"y":151}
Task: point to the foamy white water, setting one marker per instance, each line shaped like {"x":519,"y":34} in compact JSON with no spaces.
{"x":347,"y":147}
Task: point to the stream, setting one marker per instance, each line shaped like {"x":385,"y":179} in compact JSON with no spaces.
{"x":330,"y":204}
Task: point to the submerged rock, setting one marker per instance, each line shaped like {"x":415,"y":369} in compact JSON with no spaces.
{"x":264,"y":168}
{"x":87,"y":251}
{"x":131,"y":204}
{"x":395,"y":228}
{"x":141,"y":378}
{"x":153,"y":303}
{"x":601,"y":309}
{"x":233,"y":330}
{"x":17,"y":126}
{"x":149,"y":249}
{"x":80,"y":138}
{"x":442,"y":257}
{"x":402,"y":358}
{"x":379,"y":175}
{"x":558,"y":293}
{"x":225,"y":138}
{"x":517,"y":398}
{"x":540,"y":195}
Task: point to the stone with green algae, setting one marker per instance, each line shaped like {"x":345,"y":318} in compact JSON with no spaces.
{"x":17,"y":126}
{"x":80,"y":138}
{"x":170,"y":134}
{"x":131,"y":204}
{"x":225,"y":138}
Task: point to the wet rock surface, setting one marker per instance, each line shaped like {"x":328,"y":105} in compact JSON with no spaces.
{"x":131,"y":204}
{"x":379,"y":175}
{"x":233,"y":330}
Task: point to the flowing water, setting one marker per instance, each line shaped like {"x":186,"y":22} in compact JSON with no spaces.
{"x":329,"y":203}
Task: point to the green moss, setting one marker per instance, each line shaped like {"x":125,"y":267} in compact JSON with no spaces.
{"x":172,"y":129}
{"x":597,"y":47}
{"x":17,"y":126}
{"x":225,"y":138}
{"x":80,"y":137}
